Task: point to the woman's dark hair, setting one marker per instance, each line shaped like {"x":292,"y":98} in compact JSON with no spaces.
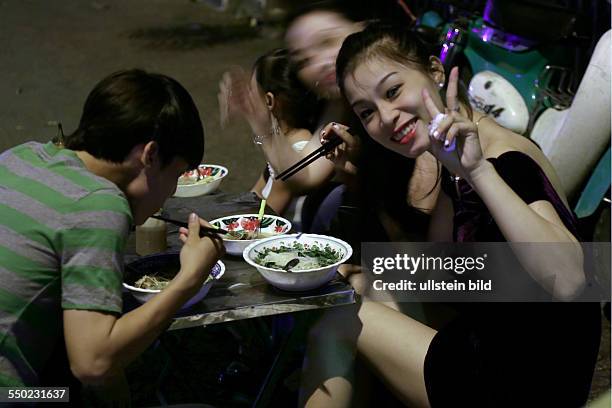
{"x":297,"y":106}
{"x":396,"y":43}
{"x":133,"y":107}
{"x":406,"y":47}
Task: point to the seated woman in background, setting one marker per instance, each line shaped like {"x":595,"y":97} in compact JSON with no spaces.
{"x":280,"y":112}
{"x":281,"y":109}
{"x":497,"y":186}
{"x":377,"y":183}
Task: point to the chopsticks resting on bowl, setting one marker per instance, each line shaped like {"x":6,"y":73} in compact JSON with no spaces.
{"x":203,"y":230}
{"x":331,"y":144}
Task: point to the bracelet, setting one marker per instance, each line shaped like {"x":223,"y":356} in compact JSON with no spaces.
{"x":479,"y":119}
{"x":259,"y":139}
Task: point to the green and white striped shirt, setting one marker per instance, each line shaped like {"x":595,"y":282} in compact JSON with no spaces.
{"x":63,"y":232}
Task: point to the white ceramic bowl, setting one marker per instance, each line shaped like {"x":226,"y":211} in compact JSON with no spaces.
{"x":198,"y":189}
{"x":271,"y":224}
{"x":298,"y":280}
{"x":143,"y":295}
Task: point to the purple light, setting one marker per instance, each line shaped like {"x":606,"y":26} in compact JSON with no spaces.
{"x":444,"y":52}
{"x":486,"y":33}
{"x":488,"y":11}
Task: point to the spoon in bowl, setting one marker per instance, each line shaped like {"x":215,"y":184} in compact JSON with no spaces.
{"x":291,"y":264}
{"x":265,"y":193}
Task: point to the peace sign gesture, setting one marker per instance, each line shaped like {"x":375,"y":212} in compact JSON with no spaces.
{"x":454,"y":137}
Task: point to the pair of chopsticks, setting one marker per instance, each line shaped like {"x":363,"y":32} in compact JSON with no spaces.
{"x":203,"y":230}
{"x":331,"y":144}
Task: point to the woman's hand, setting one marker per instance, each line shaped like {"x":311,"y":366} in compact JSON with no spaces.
{"x":239,"y":96}
{"x":455,"y":140}
{"x":344,"y":155}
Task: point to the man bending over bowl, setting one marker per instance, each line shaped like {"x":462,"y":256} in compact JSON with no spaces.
{"x":65,"y":215}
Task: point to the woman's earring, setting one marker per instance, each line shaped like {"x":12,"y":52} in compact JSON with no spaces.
{"x":275,"y":128}
{"x":441,"y":85}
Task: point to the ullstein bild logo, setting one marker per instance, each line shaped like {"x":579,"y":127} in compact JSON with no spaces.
{"x":433,"y":285}
{"x":411,"y":264}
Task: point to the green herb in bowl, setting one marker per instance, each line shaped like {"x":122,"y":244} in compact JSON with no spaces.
{"x":311,"y":256}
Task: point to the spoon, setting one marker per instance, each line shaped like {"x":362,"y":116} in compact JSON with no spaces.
{"x":265,"y":193}
{"x":291,"y":264}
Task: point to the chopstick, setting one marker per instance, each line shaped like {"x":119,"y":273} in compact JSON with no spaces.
{"x":203,"y":230}
{"x":332,"y":143}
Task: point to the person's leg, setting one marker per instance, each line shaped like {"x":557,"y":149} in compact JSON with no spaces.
{"x":430,"y":314}
{"x":327,"y":371}
{"x":393,"y":344}
{"x":355,"y":276}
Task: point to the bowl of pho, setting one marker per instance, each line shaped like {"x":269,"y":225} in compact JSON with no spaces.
{"x":297,"y":262}
{"x":203,"y":180}
{"x":244,"y":229}
{"x":149,"y":275}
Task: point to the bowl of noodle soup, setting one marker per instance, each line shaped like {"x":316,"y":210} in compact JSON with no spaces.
{"x":315,"y":258}
{"x":149,"y":275}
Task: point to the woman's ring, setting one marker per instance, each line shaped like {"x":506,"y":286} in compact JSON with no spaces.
{"x":435,"y":122}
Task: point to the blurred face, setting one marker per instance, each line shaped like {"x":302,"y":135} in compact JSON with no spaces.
{"x":386,"y":96}
{"x":152,"y":187}
{"x":314,"y":40}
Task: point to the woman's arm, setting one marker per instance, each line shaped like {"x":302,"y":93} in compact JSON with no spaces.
{"x":455,"y":141}
{"x":239,"y":96}
{"x":281,"y":155}
{"x":280,"y":196}
{"x":560,"y":269}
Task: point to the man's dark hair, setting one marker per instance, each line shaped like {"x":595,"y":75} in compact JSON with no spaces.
{"x":133,"y":107}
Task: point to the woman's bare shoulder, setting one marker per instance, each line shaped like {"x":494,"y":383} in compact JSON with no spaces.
{"x":500,"y":140}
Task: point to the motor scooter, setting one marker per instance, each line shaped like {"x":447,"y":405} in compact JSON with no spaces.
{"x":519,"y":59}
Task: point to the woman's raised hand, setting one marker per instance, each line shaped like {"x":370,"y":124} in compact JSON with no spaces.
{"x":344,"y":156}
{"x":454,"y":136}
{"x":239,"y":96}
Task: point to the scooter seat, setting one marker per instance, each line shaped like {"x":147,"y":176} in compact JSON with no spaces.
{"x":537,"y":20}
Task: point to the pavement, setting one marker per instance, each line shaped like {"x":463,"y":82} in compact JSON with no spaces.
{"x":54,"y":52}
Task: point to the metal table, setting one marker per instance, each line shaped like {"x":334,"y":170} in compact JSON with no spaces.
{"x":241,"y":293}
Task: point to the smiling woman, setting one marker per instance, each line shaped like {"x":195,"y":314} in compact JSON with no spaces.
{"x":385,"y":84}
{"x":497,"y":186}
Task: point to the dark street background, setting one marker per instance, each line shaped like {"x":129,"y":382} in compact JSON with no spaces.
{"x":52,"y":53}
